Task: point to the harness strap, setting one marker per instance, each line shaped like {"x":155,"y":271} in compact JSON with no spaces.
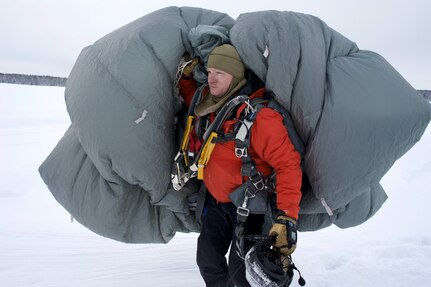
{"x":242,"y":138}
{"x":256,"y":182}
{"x":252,"y":186}
{"x":222,"y":138}
{"x":189,"y":126}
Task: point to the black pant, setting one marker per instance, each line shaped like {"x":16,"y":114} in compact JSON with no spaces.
{"x":217,"y":235}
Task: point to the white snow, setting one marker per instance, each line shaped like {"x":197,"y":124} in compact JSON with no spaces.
{"x":39,"y":246}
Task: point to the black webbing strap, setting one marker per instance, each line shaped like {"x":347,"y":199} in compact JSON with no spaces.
{"x":255,"y":182}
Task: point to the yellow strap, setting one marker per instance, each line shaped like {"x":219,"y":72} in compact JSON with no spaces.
{"x":186,"y":138}
{"x":206,"y":154}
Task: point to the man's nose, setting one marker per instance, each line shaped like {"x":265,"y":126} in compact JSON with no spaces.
{"x":211,"y":78}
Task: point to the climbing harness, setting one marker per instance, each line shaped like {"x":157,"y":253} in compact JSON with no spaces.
{"x":186,"y":166}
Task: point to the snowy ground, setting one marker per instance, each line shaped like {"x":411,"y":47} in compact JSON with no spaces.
{"x":39,"y":246}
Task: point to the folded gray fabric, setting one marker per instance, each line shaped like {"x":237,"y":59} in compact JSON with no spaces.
{"x":354,"y":113}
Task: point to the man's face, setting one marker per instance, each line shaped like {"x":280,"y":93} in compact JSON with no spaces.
{"x":218,"y":81}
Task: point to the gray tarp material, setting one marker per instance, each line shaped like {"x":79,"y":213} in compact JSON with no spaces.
{"x":355,"y":114}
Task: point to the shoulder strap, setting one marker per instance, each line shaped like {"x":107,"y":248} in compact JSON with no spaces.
{"x":196,"y":98}
{"x":242,"y":138}
{"x":211,"y":134}
{"x":288,"y":123}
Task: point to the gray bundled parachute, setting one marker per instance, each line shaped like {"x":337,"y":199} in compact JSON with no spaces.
{"x":354,"y":114}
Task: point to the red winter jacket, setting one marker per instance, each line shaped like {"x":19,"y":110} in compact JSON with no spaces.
{"x":270,"y":148}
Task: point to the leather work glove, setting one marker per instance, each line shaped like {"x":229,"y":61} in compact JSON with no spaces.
{"x":189,"y":68}
{"x":284,"y":229}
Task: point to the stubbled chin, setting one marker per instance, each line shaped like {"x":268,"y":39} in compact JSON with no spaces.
{"x":214,"y":92}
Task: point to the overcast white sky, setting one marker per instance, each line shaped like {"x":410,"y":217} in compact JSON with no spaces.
{"x":46,"y":36}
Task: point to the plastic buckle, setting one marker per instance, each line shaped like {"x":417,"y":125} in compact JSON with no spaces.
{"x":241,"y":152}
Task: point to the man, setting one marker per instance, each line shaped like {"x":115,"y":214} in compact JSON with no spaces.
{"x":270,"y":150}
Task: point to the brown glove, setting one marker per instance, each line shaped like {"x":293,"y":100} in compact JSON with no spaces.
{"x":284,"y":229}
{"x":189,"y":68}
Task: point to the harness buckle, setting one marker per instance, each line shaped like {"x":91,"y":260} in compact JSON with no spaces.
{"x":260,"y":184}
{"x":241,"y":152}
{"x":258,"y":181}
{"x":242,"y":211}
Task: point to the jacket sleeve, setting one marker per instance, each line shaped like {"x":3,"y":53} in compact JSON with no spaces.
{"x":269,"y":138}
{"x":187,"y":90}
